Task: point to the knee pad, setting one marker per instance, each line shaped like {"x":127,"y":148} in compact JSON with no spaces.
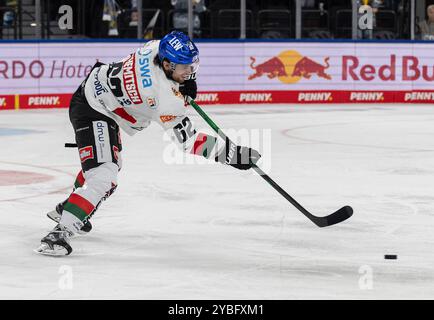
{"x":98,"y":182}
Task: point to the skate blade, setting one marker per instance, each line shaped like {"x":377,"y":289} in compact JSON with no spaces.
{"x":54,"y":215}
{"x":57,"y":251}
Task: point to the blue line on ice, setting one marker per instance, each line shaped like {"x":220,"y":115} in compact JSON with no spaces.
{"x":17,"y":132}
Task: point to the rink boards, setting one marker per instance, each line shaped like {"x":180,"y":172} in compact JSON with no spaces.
{"x":30,"y":101}
{"x":45,"y":74}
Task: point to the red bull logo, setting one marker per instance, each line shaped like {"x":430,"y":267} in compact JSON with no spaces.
{"x":290,"y":67}
{"x":306,"y":67}
{"x":273,"y":68}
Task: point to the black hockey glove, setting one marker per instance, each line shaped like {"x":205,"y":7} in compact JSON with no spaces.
{"x":188,"y":88}
{"x":238,"y":157}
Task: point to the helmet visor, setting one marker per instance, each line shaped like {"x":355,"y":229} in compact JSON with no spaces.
{"x":187,"y":69}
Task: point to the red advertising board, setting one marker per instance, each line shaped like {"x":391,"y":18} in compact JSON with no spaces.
{"x":235,"y":73}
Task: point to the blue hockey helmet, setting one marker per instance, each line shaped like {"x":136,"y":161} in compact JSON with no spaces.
{"x":178,"y":48}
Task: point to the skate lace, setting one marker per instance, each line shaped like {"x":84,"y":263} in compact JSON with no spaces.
{"x":59,"y":233}
{"x":59,"y":228}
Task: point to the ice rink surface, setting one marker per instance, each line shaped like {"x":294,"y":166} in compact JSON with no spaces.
{"x":205,"y":231}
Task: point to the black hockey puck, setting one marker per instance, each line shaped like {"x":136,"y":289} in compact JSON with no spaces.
{"x":390,"y":256}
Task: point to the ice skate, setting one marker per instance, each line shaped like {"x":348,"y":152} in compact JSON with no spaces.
{"x":56,"y":215}
{"x":56,"y":243}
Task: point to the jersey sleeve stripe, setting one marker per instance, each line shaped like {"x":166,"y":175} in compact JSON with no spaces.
{"x":124,"y":115}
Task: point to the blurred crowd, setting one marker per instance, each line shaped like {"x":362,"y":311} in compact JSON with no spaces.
{"x":321,"y":19}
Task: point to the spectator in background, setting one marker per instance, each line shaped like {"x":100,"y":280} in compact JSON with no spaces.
{"x":180,"y":16}
{"x":111,"y":10}
{"x":7,"y":17}
{"x":2,"y":3}
{"x":318,"y":10}
{"x":427,"y":26}
{"x":131,"y":6}
{"x":320,"y":5}
{"x":134,"y":18}
{"x":127,"y":18}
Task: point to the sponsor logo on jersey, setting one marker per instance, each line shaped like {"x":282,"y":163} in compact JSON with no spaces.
{"x":177,"y":93}
{"x":44,"y":101}
{"x":85,"y":153}
{"x":97,"y":86}
{"x":130,"y":80}
{"x":315,"y":96}
{"x":102,"y":141}
{"x":367,"y":96}
{"x":152,"y":102}
{"x":145,"y":71}
{"x":290,"y":67}
{"x":2,"y":102}
{"x":101,"y":101}
{"x":167,"y":118}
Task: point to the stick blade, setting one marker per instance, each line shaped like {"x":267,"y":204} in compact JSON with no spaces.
{"x":341,"y":215}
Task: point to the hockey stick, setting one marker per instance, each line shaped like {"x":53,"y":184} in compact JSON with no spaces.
{"x":342,"y":214}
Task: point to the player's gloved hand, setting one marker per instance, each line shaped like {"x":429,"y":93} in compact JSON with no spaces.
{"x":188,"y":88}
{"x":239,"y":157}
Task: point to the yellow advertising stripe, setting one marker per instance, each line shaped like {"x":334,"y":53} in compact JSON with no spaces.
{"x":17,"y":101}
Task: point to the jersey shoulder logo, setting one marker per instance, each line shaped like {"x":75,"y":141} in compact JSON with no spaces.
{"x":152,"y":102}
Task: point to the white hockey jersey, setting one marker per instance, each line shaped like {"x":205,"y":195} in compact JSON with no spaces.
{"x":134,"y":92}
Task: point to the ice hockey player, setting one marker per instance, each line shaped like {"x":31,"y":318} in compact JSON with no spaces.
{"x":148,"y":85}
